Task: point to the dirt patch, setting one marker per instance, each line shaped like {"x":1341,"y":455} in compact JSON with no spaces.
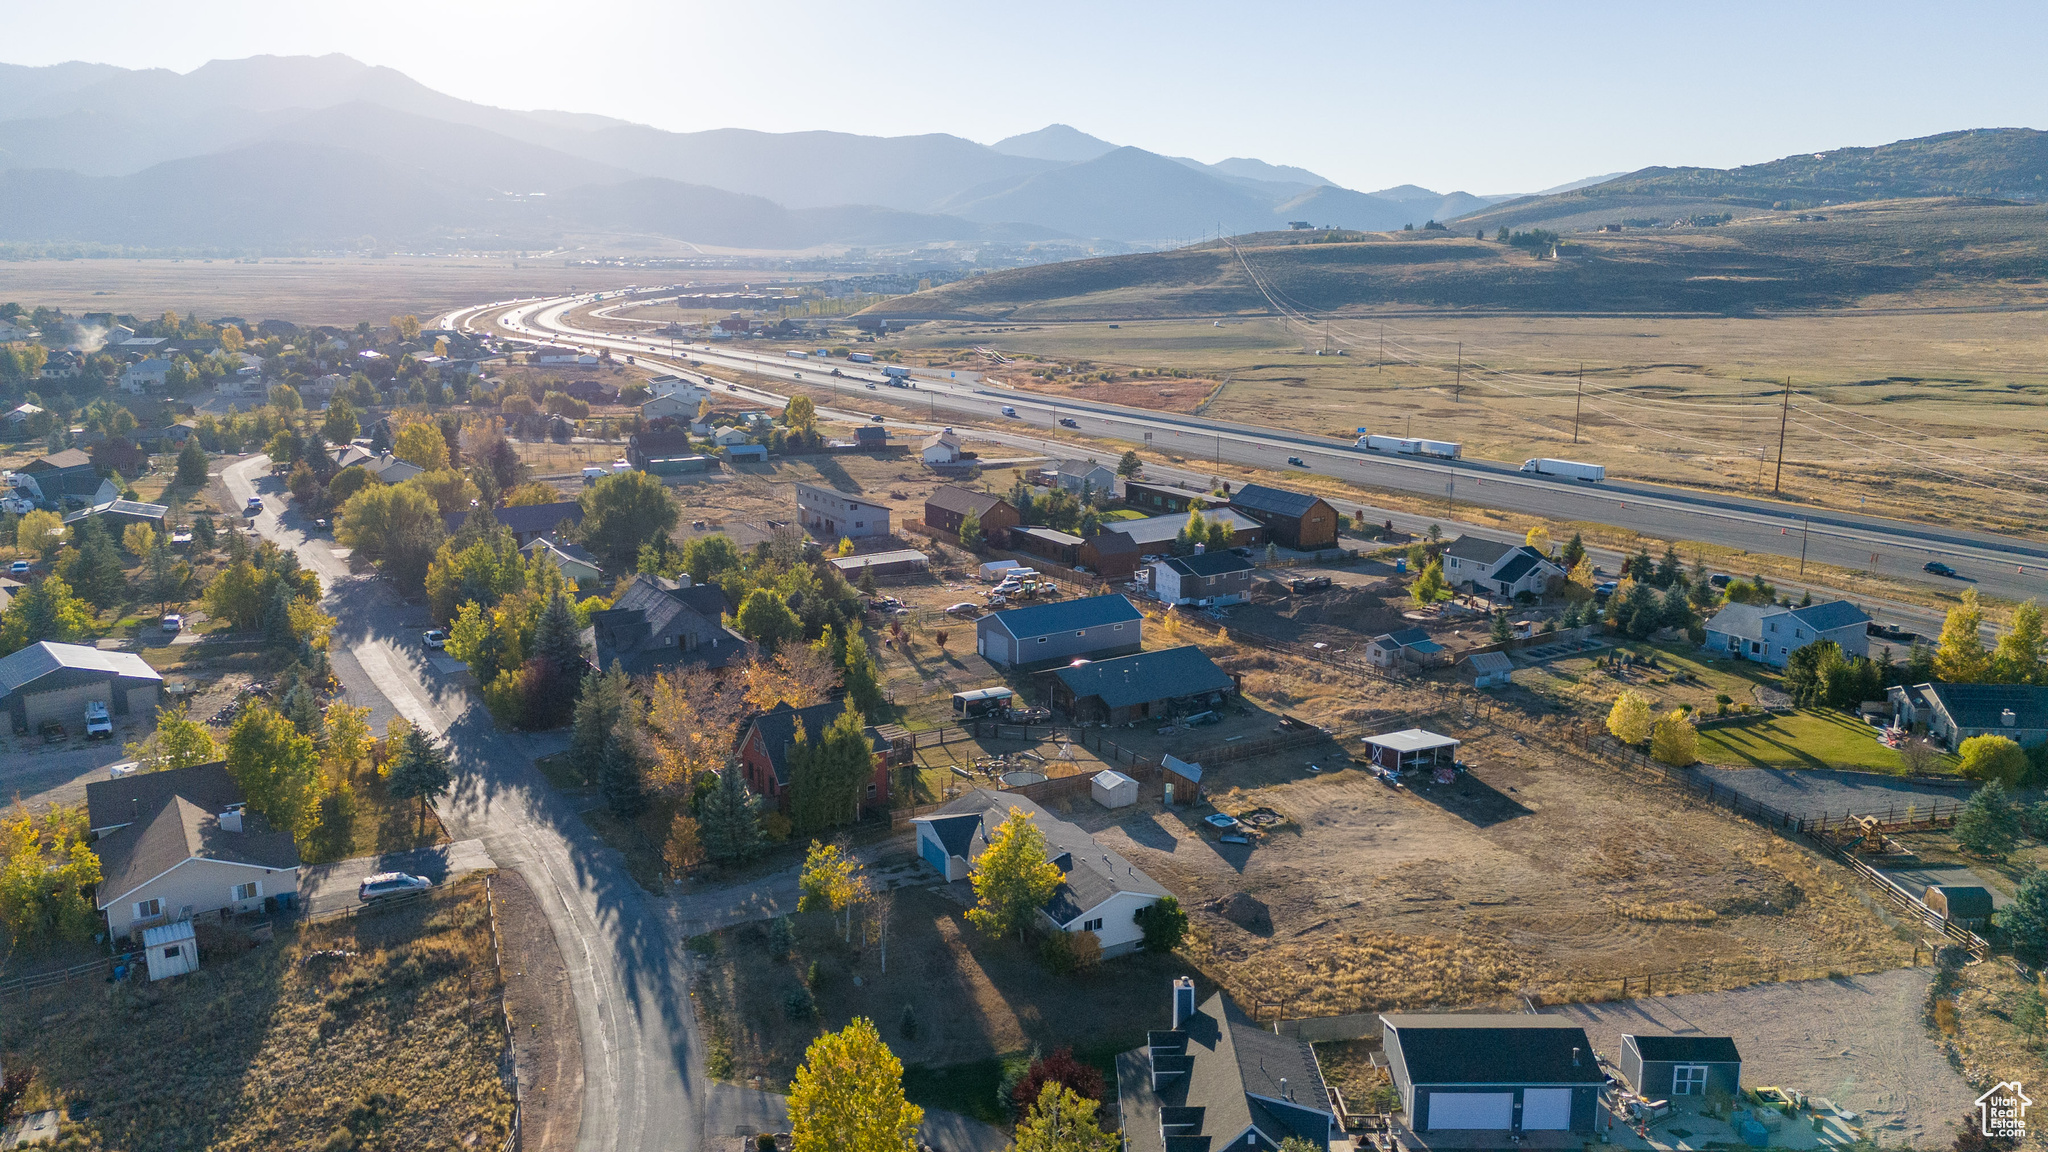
{"x":547,"y":1045}
{"x":1167,"y":395}
{"x":1346,"y":615}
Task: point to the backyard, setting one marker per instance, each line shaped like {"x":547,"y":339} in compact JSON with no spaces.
{"x":1807,"y":738}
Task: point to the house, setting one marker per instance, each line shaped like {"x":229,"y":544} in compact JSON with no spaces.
{"x":644,"y":448}
{"x":1484,"y":1073}
{"x":1216,"y":1082}
{"x":1155,"y":534}
{"x":1661,"y":1067}
{"x":1161,"y":498}
{"x":179,"y":843}
{"x":66,"y":475}
{"x":765,"y":747}
{"x":1165,"y":682}
{"x":1294,"y":520}
{"x":676,"y":406}
{"x":1488,"y":669}
{"x":556,"y":354}
{"x":1094,"y":628}
{"x":1411,"y":750}
{"x":48,"y":681}
{"x":1100,"y":891}
{"x":1770,"y":633}
{"x":1062,"y":548}
{"x":19,"y":416}
{"x":736,"y":453}
{"x":1498,"y":569}
{"x":145,"y":375}
{"x":1110,"y":555}
{"x":681,"y":387}
{"x":1078,"y":476}
{"x":10,"y":332}
{"x":590,"y":391}
{"x":947,"y":507}
{"x":658,"y":623}
{"x":731,"y":437}
{"x":1409,"y":646}
{"x":383,"y":467}
{"x":1963,"y":905}
{"x":870,"y":437}
{"x":830,"y":516}
{"x":1952,"y":713}
{"x":883,"y":565}
{"x":1206,"y":579}
{"x":576,"y":564}
{"x":118,"y":514}
{"x":527,"y":522}
{"x":941,"y":447}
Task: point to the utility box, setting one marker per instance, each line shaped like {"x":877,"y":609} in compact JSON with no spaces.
{"x":170,"y":949}
{"x":1113,"y":789}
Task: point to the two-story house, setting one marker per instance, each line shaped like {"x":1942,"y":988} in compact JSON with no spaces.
{"x":1770,"y":633}
{"x":829,"y":516}
{"x":1498,"y":569}
{"x":658,"y":623}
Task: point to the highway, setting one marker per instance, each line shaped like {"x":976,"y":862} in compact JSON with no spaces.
{"x":1998,"y":566}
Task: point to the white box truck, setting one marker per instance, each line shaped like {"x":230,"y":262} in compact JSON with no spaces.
{"x":1442,"y":449}
{"x":860,"y":357}
{"x":896,"y":373}
{"x":1381,"y":443}
{"x":1570,"y":469}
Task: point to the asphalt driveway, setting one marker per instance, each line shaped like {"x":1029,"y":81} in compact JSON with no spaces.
{"x":326,"y":887}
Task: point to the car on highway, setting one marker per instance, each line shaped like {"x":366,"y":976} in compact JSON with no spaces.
{"x":837,"y":372}
{"x":798,"y":375}
{"x":732,"y":387}
{"x":1069,"y":422}
{"x":173,"y":622}
{"x":877,"y":418}
{"x":1938,"y":568}
{"x":1009,"y":411}
{"x":434,"y":638}
{"x":1297,"y":462}
{"x":383,"y":885}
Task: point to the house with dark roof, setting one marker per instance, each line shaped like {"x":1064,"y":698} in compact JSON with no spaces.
{"x":1770,"y":633}
{"x":657,"y":623}
{"x":1663,"y":1067}
{"x":1110,"y":554}
{"x":1511,"y":1075}
{"x":644,"y":448}
{"x":48,"y":681}
{"x":1210,"y":578}
{"x":1498,"y":569}
{"x":949,"y":504}
{"x":1062,"y":548}
{"x":528,"y":522}
{"x":1156,"y":534}
{"x":1295,"y":520}
{"x":1092,"y":628}
{"x":180,"y":843}
{"x":1215,"y":1081}
{"x":1164,"y":682}
{"x":118,"y":514}
{"x":1159,"y":498}
{"x":1100,"y":891}
{"x":1952,"y":713}
{"x":871,"y":436}
{"x":1406,"y":648}
{"x":765,"y":747}
{"x":830,"y":516}
{"x":67,"y":476}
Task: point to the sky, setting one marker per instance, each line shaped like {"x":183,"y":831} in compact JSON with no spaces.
{"x":1484,"y":98}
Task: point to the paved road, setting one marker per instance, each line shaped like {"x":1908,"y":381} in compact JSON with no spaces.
{"x":626,"y":966}
{"x":2001,"y":566}
{"x":327,"y":887}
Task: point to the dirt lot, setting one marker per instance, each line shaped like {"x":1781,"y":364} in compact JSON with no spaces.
{"x":1533,"y":874}
{"x":547,"y":1045}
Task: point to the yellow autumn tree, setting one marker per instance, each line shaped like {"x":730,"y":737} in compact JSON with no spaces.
{"x":848,"y":1096}
{"x":1539,"y":539}
{"x":1675,"y":741}
{"x":1960,"y":658}
{"x":1629,"y":719}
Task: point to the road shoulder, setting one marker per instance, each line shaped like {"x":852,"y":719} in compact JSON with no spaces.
{"x":547,"y":1044}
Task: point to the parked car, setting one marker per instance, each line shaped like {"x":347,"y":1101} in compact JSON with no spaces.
{"x":1718,"y":581}
{"x":1069,"y":422}
{"x":381,"y":885}
{"x":173,"y":622}
{"x":964,"y":608}
{"x":18,"y":568}
{"x":181,"y":536}
{"x":98,"y":725}
{"x":434,"y":638}
{"x":1938,"y":568}
{"x":254,"y":507}
{"x":1606,"y":587}
{"x":1296,"y":461}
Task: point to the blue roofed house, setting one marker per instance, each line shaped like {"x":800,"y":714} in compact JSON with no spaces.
{"x":1497,"y":568}
{"x":1100,"y":891}
{"x":1166,"y":682}
{"x":1215,"y":1081}
{"x":1093,"y":628}
{"x":1770,"y":633}
{"x":1409,"y":646}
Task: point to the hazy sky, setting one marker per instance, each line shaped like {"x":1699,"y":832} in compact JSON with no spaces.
{"x":1480,"y":97}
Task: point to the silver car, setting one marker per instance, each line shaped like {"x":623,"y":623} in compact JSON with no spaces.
{"x":381,"y":885}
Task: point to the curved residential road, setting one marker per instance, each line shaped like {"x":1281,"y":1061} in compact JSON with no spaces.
{"x":643,"y":1082}
{"x":2010,"y":567}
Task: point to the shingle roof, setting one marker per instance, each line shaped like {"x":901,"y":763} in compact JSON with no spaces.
{"x":1964,"y":900}
{"x":525,"y":518}
{"x":1147,"y":676}
{"x":46,"y":656}
{"x":1226,"y":1063}
{"x":1831,"y":615}
{"x":1477,"y":550}
{"x":1113,"y":542}
{"x":954,"y":498}
{"x":1062,"y":615}
{"x":956,"y":833}
{"x":572,"y":551}
{"x":1452,"y":1049}
{"x":1981,"y":705}
{"x":777,"y":727}
{"x":1525,"y":561}
{"x":68,"y":458}
{"x":1276,"y":501}
{"x":1706,"y":1049}
{"x":118,"y":801}
{"x":1093,"y":873}
{"x":1743,"y":620}
{"x":1406,"y":636}
{"x":176,"y":817}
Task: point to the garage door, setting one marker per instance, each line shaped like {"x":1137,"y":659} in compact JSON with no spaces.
{"x":1546,"y":1109}
{"x":1491,"y":1110}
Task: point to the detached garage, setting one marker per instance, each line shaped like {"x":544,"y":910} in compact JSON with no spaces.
{"x":1660,"y":1067}
{"x":48,"y":681}
{"x":1507,"y":1074}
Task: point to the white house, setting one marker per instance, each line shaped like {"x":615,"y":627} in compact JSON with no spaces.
{"x":1101,"y":892}
{"x":21,"y":414}
{"x":829,"y":516}
{"x":675,"y":406}
{"x":180,"y":843}
{"x":941,"y":447}
{"x":1770,"y":633}
{"x":671,"y":384}
{"x":145,"y":374}
{"x":555,"y":354}
{"x":1498,"y":569}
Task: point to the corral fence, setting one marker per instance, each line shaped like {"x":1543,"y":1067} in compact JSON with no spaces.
{"x":91,"y":970}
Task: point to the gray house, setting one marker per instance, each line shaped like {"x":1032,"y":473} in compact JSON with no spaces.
{"x":1216,"y":1081}
{"x":1498,"y":569}
{"x":1661,"y":1067}
{"x":1094,"y":628}
{"x":1075,"y":475}
{"x":657,"y":623}
{"x":1953,"y":713}
{"x":1506,"y":1074}
{"x":1770,"y":633}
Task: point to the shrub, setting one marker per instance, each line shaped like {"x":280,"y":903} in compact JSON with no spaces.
{"x":797,"y":1004}
{"x":1059,"y":1068}
{"x":907,"y":1023}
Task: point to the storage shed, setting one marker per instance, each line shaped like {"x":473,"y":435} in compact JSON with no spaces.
{"x":1113,"y":789}
{"x":170,"y":949}
{"x":896,"y":563}
{"x":1963,"y":905}
{"x":1489,"y":669}
{"x":1661,"y":1067}
{"x":1410,"y":750}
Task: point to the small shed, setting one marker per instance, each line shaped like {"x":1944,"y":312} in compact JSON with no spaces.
{"x":1660,"y":1067}
{"x":1489,"y":669}
{"x":1183,"y":779}
{"x":1113,"y":789}
{"x":755,"y":452}
{"x":1963,"y":905}
{"x":170,"y":949}
{"x":995,"y":569}
{"x":1411,"y":750}
{"x":899,"y":562}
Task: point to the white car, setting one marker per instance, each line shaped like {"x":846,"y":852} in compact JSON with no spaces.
{"x":379,"y":885}
{"x":98,"y":725}
{"x":434,"y":638}
{"x":173,"y":622}
{"x":18,"y":568}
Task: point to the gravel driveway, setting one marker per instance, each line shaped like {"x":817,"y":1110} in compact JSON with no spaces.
{"x":1817,"y":792}
{"x":1857,"y":1041}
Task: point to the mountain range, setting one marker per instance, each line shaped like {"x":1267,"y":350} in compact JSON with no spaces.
{"x":273,"y":151}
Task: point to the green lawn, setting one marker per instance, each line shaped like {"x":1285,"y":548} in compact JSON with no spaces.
{"x":1808,"y":738}
{"x":1120,"y":514}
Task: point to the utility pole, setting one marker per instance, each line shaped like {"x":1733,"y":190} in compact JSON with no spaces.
{"x":1784,"y":414}
{"x":1805,"y":530}
{"x":1326,"y":335}
{"x":1383,"y":347}
{"x":1581,"y":402}
{"x":1458,"y":393}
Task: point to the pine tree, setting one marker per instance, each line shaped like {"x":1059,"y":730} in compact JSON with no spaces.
{"x":95,"y":571}
{"x":277,"y":616}
{"x":862,"y":678}
{"x":1503,"y":629}
{"x":555,"y":637}
{"x":970,"y":531}
{"x":729,"y":824}
{"x":600,"y":707}
{"x":419,"y":770}
{"x":302,"y":708}
{"x":1988,"y":825}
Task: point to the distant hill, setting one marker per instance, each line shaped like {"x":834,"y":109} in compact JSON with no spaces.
{"x":1054,"y":142}
{"x":1129,"y":192}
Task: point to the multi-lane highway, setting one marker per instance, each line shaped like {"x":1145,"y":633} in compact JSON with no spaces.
{"x":2007,"y":567}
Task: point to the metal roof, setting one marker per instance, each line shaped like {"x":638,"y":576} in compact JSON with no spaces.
{"x":46,"y":656}
{"x":1063,"y":615}
{"x":1153,"y":530}
{"x":1411,"y":740}
{"x":1147,"y":676}
{"x":1477,"y":1049}
{"x":167,"y":933}
{"x":1277,"y":501}
{"x":1208,"y":563}
{"x":1093,"y":872}
{"x":1488,"y":663}
{"x":1703,"y":1049}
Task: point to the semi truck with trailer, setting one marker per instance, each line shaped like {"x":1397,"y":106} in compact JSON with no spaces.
{"x":1412,"y":446}
{"x":1569,"y":469}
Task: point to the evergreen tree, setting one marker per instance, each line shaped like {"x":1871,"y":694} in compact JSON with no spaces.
{"x":862,"y":678}
{"x":1503,"y":629}
{"x":277,"y":615}
{"x":828,"y":776}
{"x":1130,"y":465}
{"x":1574,"y":551}
{"x":556,"y":638}
{"x":970,"y":531}
{"x":302,"y":708}
{"x":95,"y":569}
{"x":192,"y":464}
{"x":1989,"y":825}
{"x":599,"y":708}
{"x":1669,"y":571}
{"x":729,"y":824}
{"x":419,"y":770}
{"x":2026,"y":921}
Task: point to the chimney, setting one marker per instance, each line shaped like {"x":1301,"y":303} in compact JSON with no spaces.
{"x":2008,"y":718}
{"x":1575,"y":1057}
{"x":231,"y":820}
{"x":1183,"y":1000}
{"x":1283,"y":1089}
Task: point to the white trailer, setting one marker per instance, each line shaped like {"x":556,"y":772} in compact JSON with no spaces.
{"x":1570,"y":469}
{"x":795,"y":354}
{"x":1442,"y":449}
{"x":1412,"y":446}
{"x":1381,"y":443}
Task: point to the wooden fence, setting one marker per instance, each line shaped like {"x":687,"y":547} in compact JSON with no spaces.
{"x":91,"y":970}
